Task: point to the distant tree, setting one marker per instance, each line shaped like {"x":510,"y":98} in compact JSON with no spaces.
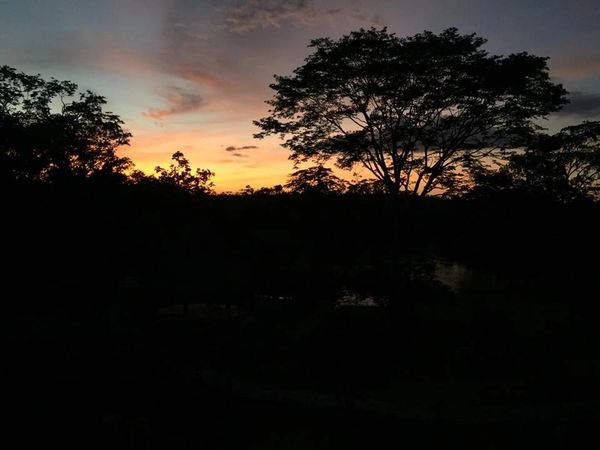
{"x":413,"y":111}
{"x":366,"y":187}
{"x":564,"y":166}
{"x":180,"y":174}
{"x":49,"y":131}
{"x":248,"y":190}
{"x":315,"y":180}
{"x":274,"y":190}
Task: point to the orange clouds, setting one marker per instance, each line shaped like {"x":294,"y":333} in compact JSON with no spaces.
{"x":201,"y":79}
{"x":574,"y":67}
{"x":179,"y":101}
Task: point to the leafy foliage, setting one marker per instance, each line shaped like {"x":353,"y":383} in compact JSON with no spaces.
{"x":413,"y":110}
{"x":315,"y":180}
{"x":564,"y":167}
{"x":273,"y":190}
{"x":366,"y":187}
{"x":180,"y":174}
{"x":50,"y":132}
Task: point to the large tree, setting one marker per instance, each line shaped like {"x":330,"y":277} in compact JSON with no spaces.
{"x":50,"y":131}
{"x":413,"y":111}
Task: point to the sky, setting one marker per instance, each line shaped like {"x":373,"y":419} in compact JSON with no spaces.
{"x":192,"y":75}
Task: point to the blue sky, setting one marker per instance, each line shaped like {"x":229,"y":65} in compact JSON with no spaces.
{"x":191,"y":75}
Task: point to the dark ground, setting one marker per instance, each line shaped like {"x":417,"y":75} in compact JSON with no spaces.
{"x":136,"y":319}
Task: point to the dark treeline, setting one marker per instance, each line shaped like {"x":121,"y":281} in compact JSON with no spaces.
{"x":99,"y":235}
{"x":450,"y":300}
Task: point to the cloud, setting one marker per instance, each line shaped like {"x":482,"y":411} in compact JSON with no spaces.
{"x":192,"y":31}
{"x":246,"y":15}
{"x":233,"y":148}
{"x":189,"y":47}
{"x":575,"y":67}
{"x":359,"y":16}
{"x":233,"y":161}
{"x":223,"y":48}
{"x":179,"y":101}
{"x":200,"y":78}
{"x":583,"y":105}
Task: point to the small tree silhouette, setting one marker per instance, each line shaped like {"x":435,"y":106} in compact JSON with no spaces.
{"x":273,"y":190}
{"x":315,"y":180}
{"x":180,"y":174}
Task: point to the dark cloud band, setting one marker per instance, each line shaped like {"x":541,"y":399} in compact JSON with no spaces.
{"x":585,"y":105}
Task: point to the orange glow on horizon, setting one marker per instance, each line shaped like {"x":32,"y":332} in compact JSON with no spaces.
{"x":266,"y":165}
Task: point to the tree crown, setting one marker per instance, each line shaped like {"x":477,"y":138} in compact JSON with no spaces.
{"x":49,"y":131}
{"x":180,"y":174}
{"x":411,"y":110}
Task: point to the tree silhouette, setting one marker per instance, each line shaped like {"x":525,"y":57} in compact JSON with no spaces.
{"x":411,"y":110}
{"x":248,"y":190}
{"x":273,"y":190}
{"x":49,"y":131}
{"x":180,"y":174}
{"x":315,"y":180}
{"x":366,"y":187}
{"x":564,"y":166}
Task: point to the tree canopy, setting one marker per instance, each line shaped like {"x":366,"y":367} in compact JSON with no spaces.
{"x":180,"y":175}
{"x":50,"y":131}
{"x":564,"y":167}
{"x":315,"y":180}
{"x":413,"y":111}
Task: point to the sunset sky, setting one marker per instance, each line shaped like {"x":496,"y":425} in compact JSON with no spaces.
{"x":191,"y":75}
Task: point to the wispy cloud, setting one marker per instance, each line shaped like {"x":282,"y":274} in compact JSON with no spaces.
{"x":237,"y":151}
{"x":583,"y":104}
{"x":246,"y":15}
{"x":374,"y":19}
{"x":233,"y":148}
{"x":179,"y":101}
{"x":575,"y":67}
{"x":192,"y":31}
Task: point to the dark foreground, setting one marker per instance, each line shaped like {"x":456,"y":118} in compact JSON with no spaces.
{"x":298,"y":322}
